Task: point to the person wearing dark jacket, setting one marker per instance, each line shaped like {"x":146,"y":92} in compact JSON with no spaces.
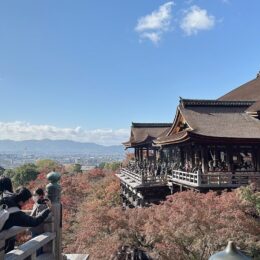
{"x":6,"y":187}
{"x":20,"y":218}
{"x":40,"y":204}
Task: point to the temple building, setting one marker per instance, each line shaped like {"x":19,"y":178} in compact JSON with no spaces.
{"x":211,"y":145}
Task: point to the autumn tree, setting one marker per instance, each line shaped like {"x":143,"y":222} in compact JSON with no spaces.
{"x":188,"y":225}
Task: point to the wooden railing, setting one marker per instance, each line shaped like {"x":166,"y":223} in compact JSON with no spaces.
{"x":143,"y":178}
{"x":229,"y":179}
{"x":194,"y":179}
{"x":189,"y":178}
{"x":29,"y":248}
{"x":214,"y":179}
{"x":50,"y":240}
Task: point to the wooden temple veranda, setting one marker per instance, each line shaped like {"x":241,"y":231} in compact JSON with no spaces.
{"x":211,"y":145}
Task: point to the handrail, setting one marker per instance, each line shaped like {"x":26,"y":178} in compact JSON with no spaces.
{"x":30,"y":247}
{"x":50,"y":239}
{"x":144,"y":179}
{"x":213,"y":179}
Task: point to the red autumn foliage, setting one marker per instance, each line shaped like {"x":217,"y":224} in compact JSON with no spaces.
{"x":189,"y":225}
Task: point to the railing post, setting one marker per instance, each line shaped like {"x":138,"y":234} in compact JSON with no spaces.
{"x":199,"y":177}
{"x":53,"y":192}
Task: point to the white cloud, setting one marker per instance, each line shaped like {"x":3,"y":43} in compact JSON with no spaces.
{"x":197,"y":19}
{"x":155,"y":37}
{"x":153,"y":25}
{"x":19,"y":131}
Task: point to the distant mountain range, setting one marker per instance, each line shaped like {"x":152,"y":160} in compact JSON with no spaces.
{"x":47,"y":146}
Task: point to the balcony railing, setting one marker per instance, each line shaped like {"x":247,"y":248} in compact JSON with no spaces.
{"x":146,"y":174}
{"x":162,"y":174}
{"x":214,"y":179}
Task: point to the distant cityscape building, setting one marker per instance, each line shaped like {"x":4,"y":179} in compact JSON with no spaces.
{"x":211,"y":145}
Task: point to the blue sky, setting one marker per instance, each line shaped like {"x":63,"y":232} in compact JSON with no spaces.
{"x":85,"y":69}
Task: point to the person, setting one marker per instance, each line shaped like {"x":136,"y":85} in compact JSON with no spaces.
{"x":40,"y":204}
{"x":6,"y":187}
{"x":20,"y":218}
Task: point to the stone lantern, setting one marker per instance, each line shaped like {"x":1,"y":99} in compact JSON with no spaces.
{"x":230,"y":253}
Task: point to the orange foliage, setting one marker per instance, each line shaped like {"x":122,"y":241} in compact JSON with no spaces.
{"x":189,"y":225}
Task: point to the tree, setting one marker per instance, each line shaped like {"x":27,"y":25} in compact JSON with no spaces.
{"x":252,"y":196}
{"x":77,"y":168}
{"x":9,"y":173}
{"x":46,"y":165}
{"x":189,"y":225}
{"x":22,"y":175}
{"x":102,"y":165}
{"x":112,"y":166}
{"x":2,"y":170}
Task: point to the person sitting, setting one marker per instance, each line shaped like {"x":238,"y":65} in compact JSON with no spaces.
{"x":6,"y":187}
{"x":20,"y":218}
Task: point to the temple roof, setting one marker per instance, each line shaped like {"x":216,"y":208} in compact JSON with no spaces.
{"x":145,"y":133}
{"x":254,"y":108}
{"x":248,"y":91}
{"x":212,"y":119}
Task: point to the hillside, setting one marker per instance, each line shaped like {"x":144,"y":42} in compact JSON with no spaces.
{"x":57,"y":146}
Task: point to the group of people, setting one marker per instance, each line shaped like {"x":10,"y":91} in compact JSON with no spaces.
{"x":13,"y":201}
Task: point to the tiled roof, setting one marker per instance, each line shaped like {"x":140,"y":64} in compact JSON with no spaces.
{"x":144,"y":133}
{"x":214,"y":119}
{"x":248,"y":91}
{"x":227,"y":124}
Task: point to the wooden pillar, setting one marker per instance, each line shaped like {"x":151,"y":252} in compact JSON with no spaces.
{"x":230,"y":158}
{"x":147,"y":153}
{"x":53,"y":192}
{"x":192,"y":156}
{"x":258,"y":159}
{"x":214,"y":157}
{"x":141,"y":151}
{"x":254,"y":157}
{"x":182,"y":158}
{"x":204,"y":159}
{"x":170,"y":154}
{"x":197,"y":158}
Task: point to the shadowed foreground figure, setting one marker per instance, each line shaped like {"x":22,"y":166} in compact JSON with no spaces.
{"x":20,"y":218}
{"x":6,"y":187}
